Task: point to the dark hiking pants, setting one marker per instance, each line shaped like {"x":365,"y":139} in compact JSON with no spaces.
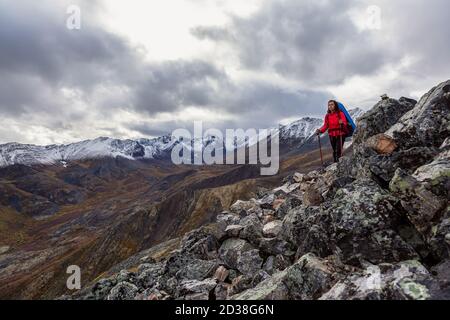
{"x":337,"y":147}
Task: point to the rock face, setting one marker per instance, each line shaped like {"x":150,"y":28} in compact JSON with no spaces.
{"x":374,"y":226}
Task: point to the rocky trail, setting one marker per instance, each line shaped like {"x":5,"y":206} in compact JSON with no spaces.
{"x":374,"y":226}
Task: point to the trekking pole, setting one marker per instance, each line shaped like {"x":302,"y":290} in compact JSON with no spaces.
{"x":320,"y":148}
{"x":342,"y":144}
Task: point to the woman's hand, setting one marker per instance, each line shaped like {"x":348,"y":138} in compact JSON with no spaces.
{"x":340,"y":121}
{"x":318,"y":132}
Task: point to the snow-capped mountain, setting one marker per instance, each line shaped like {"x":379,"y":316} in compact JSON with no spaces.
{"x":14,"y":153}
{"x":300,"y":129}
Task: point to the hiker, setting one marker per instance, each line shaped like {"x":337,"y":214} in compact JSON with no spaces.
{"x":337,"y":126}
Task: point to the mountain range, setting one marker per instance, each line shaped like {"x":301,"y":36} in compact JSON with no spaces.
{"x":294,"y":133}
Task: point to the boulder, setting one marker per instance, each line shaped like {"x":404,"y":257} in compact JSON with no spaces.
{"x":407,"y":280}
{"x":252,"y":229}
{"x":307,"y":279}
{"x":249,"y":262}
{"x":418,"y":200}
{"x":427,"y":124}
{"x":364,"y":219}
{"x":307,"y":228}
{"x":196,"y":290}
{"x":4,"y":249}
{"x":197,"y":270}
{"x":382,"y":144}
{"x":312,"y":196}
{"x":275,"y":264}
{"x":241,"y":207}
{"x":231,"y":249}
{"x":234,"y":230}
{"x":123,"y":291}
{"x":272,"y":229}
{"x":381,"y":117}
{"x":221,"y":274}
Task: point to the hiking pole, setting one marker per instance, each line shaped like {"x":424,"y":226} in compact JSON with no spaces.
{"x":320,"y":148}
{"x":342,"y":144}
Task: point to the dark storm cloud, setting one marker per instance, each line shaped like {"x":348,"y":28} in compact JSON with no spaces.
{"x":62,"y":77}
{"x":316,"y":42}
{"x":257,"y":105}
{"x":40,"y":58}
{"x":311,"y":40}
{"x":171,"y":85}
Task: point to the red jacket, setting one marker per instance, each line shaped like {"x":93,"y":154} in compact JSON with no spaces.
{"x":335,"y":129}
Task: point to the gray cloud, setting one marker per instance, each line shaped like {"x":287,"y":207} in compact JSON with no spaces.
{"x":310,"y":40}
{"x":64,"y":81}
{"x":316,"y":42}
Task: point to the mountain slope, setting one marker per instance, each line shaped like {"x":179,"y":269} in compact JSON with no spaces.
{"x":374,"y":226}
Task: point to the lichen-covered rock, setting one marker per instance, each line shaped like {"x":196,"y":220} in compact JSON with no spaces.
{"x":231,"y":249}
{"x":408,"y":280}
{"x":197,"y":270}
{"x":241,"y":207}
{"x":364,"y":219}
{"x":418,"y":200}
{"x":427,"y":124}
{"x":307,"y":279}
{"x":276,"y":263}
{"x":308,"y":229}
{"x":196,"y":290}
{"x":123,"y":291}
{"x":252,"y":229}
{"x":233,"y":230}
{"x":249,"y":262}
{"x":381,"y":117}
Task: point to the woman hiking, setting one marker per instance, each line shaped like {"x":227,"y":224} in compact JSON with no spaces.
{"x":336,"y":124}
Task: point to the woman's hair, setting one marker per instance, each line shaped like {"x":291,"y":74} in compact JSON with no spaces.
{"x":336,"y":106}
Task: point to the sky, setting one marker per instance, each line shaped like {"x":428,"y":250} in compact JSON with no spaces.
{"x":144,"y":68}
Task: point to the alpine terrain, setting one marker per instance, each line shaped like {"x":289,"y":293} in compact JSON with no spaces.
{"x":374,"y":226}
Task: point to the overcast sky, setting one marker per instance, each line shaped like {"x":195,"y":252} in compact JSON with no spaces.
{"x":143,"y":68}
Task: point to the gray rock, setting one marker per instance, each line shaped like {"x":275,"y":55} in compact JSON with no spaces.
{"x":427,"y":124}
{"x":307,"y":279}
{"x":272,"y":229}
{"x":408,"y":280}
{"x":231,"y":249}
{"x":275,"y":264}
{"x":309,"y":230}
{"x":196,"y":290}
{"x":364,"y":218}
{"x":197,"y":270}
{"x":252,"y":229}
{"x":249,"y":262}
{"x":234,"y":230}
{"x":381,"y":117}
{"x":123,"y":291}
{"x":4,"y":249}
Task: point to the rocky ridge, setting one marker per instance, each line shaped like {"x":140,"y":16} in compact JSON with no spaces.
{"x":374,"y":226}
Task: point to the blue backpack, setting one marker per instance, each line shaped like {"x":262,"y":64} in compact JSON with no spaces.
{"x":351,"y":124}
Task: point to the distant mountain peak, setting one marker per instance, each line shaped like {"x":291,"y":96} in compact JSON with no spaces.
{"x":295,"y":132}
